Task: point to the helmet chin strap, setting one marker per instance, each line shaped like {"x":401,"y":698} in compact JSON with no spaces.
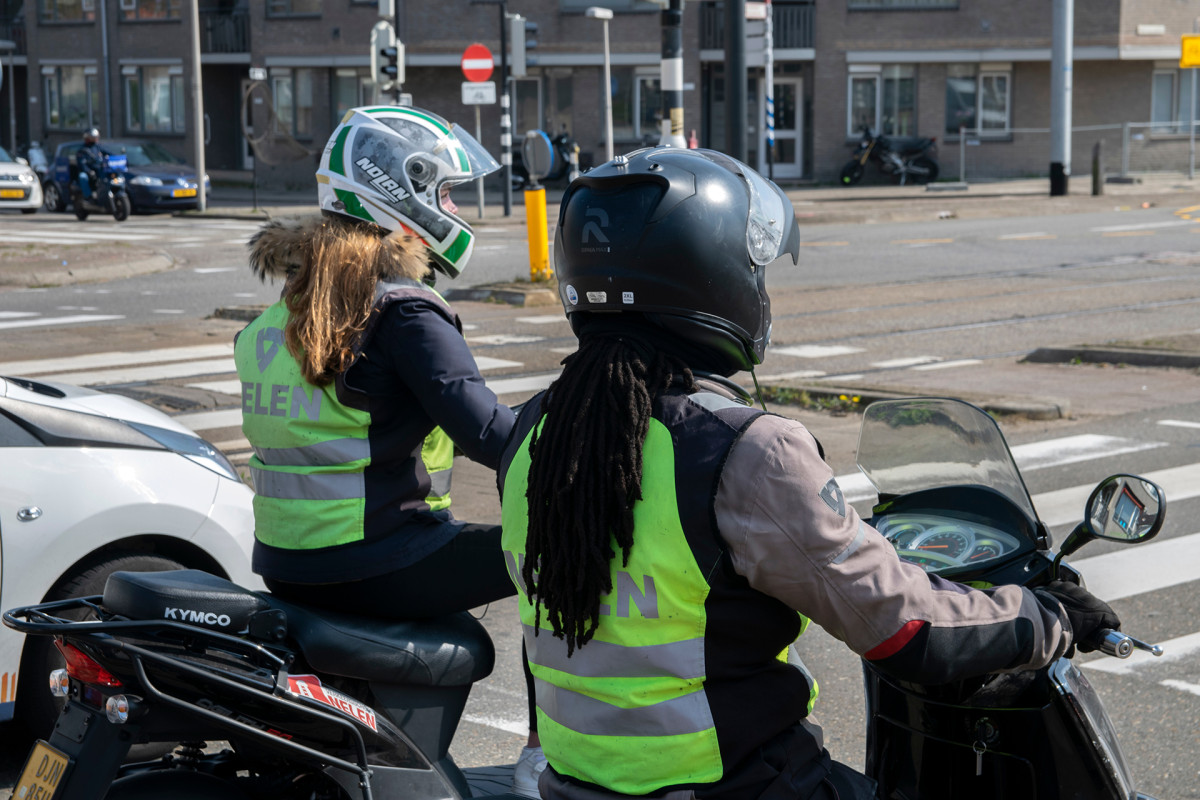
{"x":758,"y":390}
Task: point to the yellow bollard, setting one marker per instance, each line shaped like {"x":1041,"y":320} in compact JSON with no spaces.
{"x":538,"y":227}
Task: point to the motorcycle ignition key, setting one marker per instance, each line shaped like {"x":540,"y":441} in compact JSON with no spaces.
{"x":980,"y":748}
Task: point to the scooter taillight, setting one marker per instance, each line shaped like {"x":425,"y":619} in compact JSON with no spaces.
{"x":83,"y":667}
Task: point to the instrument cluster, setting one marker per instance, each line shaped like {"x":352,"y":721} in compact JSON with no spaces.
{"x":936,"y":543}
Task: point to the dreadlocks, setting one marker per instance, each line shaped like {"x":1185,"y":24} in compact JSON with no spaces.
{"x":586,"y":475}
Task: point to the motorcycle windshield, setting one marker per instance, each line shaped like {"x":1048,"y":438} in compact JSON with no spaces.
{"x":927,"y":443}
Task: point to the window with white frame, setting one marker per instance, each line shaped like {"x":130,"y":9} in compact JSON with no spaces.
{"x":979,"y":98}
{"x":882,"y":98}
{"x":636,"y":102}
{"x":154,"y":99}
{"x":72,"y":97}
{"x":292,"y":93}
{"x":351,"y":87}
{"x":1171,"y":101}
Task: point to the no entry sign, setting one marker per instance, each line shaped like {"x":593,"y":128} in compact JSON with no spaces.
{"x":477,"y":63}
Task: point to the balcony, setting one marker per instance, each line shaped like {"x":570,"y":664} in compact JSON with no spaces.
{"x":14,"y":32}
{"x":224,"y":31}
{"x":793,"y":24}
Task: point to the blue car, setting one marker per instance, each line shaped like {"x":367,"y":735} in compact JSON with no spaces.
{"x":155,"y":179}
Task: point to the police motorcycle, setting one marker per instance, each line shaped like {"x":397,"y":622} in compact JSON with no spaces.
{"x":325,"y":706}
{"x":109,"y":195}
{"x":952,"y":501}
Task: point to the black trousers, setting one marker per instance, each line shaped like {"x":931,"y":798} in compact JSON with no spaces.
{"x":466,"y":572}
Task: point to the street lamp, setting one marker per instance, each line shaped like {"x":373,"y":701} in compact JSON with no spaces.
{"x":605,"y":14}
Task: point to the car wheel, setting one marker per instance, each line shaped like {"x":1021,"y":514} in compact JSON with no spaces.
{"x":52,"y":198}
{"x":925,"y":170}
{"x":36,"y":708}
{"x":29,"y":210}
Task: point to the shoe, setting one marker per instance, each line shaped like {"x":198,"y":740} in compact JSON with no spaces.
{"x":530,"y":767}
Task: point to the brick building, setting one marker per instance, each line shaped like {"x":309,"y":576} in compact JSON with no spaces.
{"x":907,"y":67}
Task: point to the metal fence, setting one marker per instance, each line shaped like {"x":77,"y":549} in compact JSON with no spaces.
{"x":1125,"y":149}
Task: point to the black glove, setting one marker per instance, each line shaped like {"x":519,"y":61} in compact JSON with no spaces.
{"x":1086,"y":612}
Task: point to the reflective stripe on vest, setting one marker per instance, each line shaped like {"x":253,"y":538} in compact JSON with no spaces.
{"x":437,"y":453}
{"x":310,"y":450}
{"x":628,"y":710}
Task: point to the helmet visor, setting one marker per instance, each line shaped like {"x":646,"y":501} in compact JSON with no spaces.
{"x":479,"y":160}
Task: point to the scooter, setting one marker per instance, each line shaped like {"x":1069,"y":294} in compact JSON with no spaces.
{"x":320,"y":705}
{"x":952,"y":501}
{"x":904,"y":158}
{"x":109,"y":196}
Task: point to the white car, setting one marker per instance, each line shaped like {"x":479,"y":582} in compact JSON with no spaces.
{"x":91,"y":483}
{"x":19,"y":185}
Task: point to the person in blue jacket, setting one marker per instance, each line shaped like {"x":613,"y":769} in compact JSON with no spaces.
{"x":90,"y":160}
{"x":358,"y":385}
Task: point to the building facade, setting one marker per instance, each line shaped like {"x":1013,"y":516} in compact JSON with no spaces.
{"x":278,"y":74}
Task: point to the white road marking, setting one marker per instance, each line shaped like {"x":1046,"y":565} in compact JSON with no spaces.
{"x":1182,"y":686}
{"x":816,"y":350}
{"x":168,"y":311}
{"x":499,"y":723}
{"x":1144,"y":568}
{"x":1173,"y":650}
{"x":505,"y":338}
{"x":487,"y":362}
{"x":42,"y":322}
{"x":1033,"y":235}
{"x":530,"y":384}
{"x":210,"y":270}
{"x":140,"y":374}
{"x":566,"y":351}
{"x":848,"y":376}
{"x":788,"y":376}
{"x":22,"y":314}
{"x":962,"y":362}
{"x":911,"y":361}
{"x":1140,"y":227}
{"x":231,"y":387}
{"x":1178,"y":423}
{"x":211,"y":420}
{"x":71,"y":237}
{"x":97,"y":360}
{"x":543,"y":319}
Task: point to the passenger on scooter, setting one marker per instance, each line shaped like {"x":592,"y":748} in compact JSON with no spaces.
{"x":669,"y":542}
{"x":358,"y":385}
{"x":90,"y":160}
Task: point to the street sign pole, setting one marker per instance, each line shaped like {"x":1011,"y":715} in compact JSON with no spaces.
{"x":479,"y":137}
{"x":477,"y":67}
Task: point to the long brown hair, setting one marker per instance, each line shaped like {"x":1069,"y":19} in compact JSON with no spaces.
{"x":331,"y":265}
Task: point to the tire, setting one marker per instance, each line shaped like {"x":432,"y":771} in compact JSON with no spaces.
{"x":852,"y":173}
{"x":175,"y":784}
{"x":121,"y":207}
{"x":52,"y":198}
{"x":81,"y":213}
{"x":928,"y":167}
{"x":36,"y":708}
{"x":29,"y":210}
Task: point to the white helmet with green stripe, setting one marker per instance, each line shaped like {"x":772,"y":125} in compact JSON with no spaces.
{"x":393,"y":165}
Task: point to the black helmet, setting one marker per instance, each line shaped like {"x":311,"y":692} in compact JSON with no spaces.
{"x":681,"y":237}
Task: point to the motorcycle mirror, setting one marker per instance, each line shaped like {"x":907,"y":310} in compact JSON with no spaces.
{"x":1122,"y":508}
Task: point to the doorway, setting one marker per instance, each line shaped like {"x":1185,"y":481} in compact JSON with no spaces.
{"x":789,"y":129}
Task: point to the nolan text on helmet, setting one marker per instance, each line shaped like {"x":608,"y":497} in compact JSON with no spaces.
{"x":381,"y":180}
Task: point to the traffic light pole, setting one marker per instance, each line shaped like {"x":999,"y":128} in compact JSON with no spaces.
{"x":505,"y":113}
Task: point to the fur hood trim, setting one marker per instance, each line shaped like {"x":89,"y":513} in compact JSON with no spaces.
{"x":283,"y":246}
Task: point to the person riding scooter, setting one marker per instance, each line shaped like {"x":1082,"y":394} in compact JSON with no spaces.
{"x":90,"y":160}
{"x":358,"y":384}
{"x":669,"y":543}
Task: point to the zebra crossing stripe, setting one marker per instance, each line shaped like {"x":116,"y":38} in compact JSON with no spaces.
{"x":42,"y":322}
{"x":115,"y":358}
{"x":1142,"y":568}
{"x":135,"y":374}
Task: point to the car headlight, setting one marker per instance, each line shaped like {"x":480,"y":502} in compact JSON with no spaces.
{"x":27,"y":177}
{"x":145,"y":180}
{"x":190,"y":447}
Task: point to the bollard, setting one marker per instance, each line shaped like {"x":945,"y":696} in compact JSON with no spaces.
{"x":537,"y":227}
{"x":1097,"y":175}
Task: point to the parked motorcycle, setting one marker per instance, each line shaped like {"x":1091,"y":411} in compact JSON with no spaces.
{"x":952,"y":501}
{"x":109,"y":196}
{"x":325,"y":706}
{"x":904,"y":158}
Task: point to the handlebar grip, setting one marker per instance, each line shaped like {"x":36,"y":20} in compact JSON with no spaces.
{"x":1113,"y":643}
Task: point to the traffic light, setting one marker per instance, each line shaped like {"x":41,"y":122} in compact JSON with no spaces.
{"x":523,"y":35}
{"x":390,"y":69}
{"x":387,"y":56}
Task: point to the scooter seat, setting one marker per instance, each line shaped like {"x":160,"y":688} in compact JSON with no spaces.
{"x":453,"y":650}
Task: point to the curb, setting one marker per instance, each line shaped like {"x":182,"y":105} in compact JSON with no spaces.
{"x":63,"y":276}
{"x":1032,"y":408}
{"x":239,"y":313}
{"x":514,"y":294}
{"x":1113,"y":355}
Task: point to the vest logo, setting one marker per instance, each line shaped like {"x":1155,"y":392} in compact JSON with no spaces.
{"x":280,"y":400}
{"x":629,"y":594}
{"x":831,"y":493}
{"x":199,"y":617}
{"x":266,"y":346}
{"x":381,"y":180}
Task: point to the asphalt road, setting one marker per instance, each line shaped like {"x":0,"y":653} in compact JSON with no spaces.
{"x":888,"y":310}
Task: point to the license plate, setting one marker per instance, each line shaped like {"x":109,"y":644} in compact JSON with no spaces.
{"x":44,"y":771}
{"x":183,"y":193}
{"x":16,"y":194}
